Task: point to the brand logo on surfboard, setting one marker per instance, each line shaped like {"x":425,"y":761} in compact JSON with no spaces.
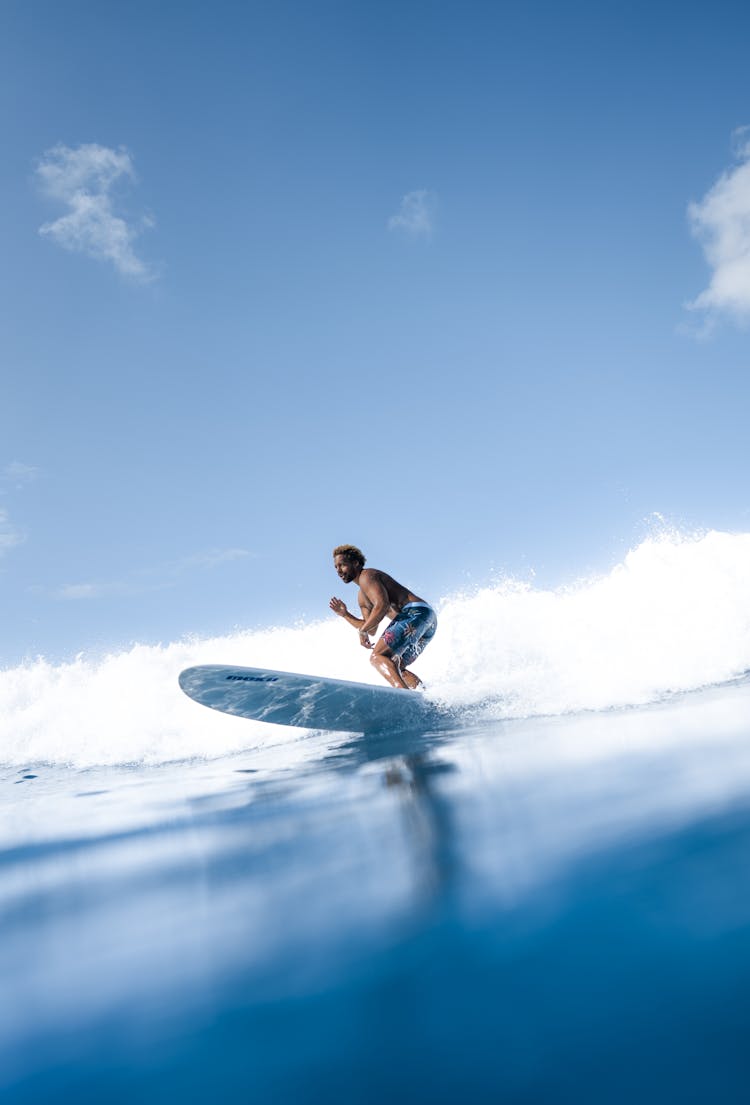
{"x":252,"y":678}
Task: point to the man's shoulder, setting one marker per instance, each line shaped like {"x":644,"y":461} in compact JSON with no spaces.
{"x":373,"y":573}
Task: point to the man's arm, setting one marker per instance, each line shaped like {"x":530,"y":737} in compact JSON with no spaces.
{"x":339,"y":608}
{"x":377,"y":598}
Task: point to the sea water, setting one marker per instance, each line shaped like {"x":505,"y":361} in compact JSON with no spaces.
{"x":547,"y":903}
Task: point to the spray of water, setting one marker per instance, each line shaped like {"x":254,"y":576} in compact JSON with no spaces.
{"x":674,"y":616}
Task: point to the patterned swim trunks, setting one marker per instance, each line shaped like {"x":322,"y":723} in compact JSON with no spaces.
{"x":413,"y":627}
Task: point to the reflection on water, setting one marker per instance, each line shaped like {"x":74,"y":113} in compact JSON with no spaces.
{"x":543,"y":911}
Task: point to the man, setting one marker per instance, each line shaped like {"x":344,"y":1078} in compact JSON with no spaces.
{"x":413,"y":620}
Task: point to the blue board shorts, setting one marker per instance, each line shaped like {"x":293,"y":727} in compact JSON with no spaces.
{"x":410,"y":631}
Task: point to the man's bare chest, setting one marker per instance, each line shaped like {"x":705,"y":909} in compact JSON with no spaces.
{"x":366,"y":606}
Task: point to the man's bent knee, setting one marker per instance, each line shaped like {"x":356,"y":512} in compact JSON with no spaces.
{"x":378,"y":657}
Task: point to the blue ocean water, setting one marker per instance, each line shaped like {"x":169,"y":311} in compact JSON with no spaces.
{"x":547,"y":903}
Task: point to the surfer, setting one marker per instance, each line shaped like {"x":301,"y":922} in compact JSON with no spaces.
{"x":413,"y":622}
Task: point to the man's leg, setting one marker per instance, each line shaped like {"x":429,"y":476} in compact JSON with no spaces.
{"x":412,"y":651}
{"x":382,"y":660}
{"x":412,"y":681}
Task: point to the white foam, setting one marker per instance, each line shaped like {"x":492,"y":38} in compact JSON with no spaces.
{"x":675,"y":615}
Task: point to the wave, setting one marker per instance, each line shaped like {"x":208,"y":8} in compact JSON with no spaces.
{"x":673,"y":616}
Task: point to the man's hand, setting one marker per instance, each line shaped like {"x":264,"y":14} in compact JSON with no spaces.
{"x":338,"y":607}
{"x":364,"y":639}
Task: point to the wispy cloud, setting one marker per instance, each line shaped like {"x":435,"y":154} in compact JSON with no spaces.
{"x":144,"y":582}
{"x":83,"y":178}
{"x":721,"y":223}
{"x":91,"y":590}
{"x":10,"y":535}
{"x":416,"y":215}
{"x":12,"y":478}
{"x":209,"y":559}
{"x":18,"y":474}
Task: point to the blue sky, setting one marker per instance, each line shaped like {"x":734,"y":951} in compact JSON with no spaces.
{"x":410,"y":275}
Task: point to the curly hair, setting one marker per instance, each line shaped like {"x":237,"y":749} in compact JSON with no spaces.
{"x":352,"y":553}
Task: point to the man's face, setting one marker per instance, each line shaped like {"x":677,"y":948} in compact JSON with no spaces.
{"x":346,"y":568}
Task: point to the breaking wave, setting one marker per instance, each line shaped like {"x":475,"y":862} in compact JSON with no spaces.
{"x":673,"y":616}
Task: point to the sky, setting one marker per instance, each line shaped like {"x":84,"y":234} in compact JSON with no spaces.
{"x":465,"y":284}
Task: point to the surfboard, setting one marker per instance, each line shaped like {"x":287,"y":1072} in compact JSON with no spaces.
{"x":308,"y":701}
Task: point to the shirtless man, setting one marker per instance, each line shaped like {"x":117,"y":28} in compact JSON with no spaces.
{"x":413,"y":620}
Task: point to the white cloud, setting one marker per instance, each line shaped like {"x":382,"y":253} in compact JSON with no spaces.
{"x":83,"y":179}
{"x":19,"y":474}
{"x":209,"y":559}
{"x":88,"y":590}
{"x":10,"y":535}
{"x":158,"y":579}
{"x":12,"y":478}
{"x":416,"y":215}
{"x":721,"y":223}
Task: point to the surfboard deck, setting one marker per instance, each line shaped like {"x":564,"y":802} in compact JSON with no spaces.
{"x":307,"y":701}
